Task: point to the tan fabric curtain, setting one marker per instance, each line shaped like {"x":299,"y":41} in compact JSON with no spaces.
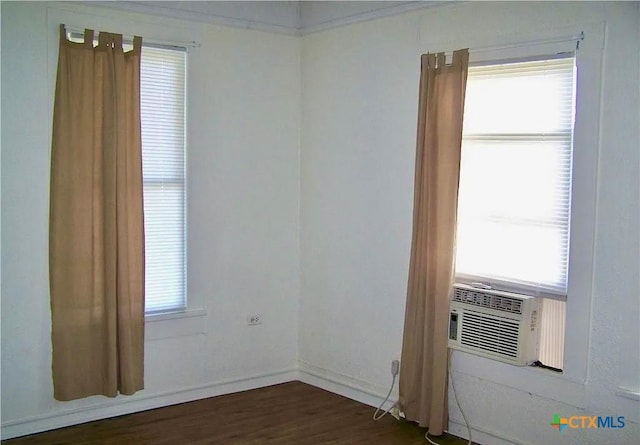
{"x":423,"y":374}
{"x":96,"y":234}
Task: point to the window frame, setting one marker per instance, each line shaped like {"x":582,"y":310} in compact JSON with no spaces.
{"x":505,"y":284}
{"x":569,"y":386}
{"x":161,"y":314}
{"x":552,"y":322}
{"x":174,"y":312}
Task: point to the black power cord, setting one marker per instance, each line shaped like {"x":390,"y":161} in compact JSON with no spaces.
{"x":539,"y":364}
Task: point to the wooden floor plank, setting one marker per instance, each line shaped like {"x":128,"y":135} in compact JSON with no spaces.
{"x":290,"y":413}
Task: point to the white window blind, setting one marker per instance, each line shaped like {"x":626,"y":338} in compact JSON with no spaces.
{"x":162,"y":101}
{"x":515,"y":176}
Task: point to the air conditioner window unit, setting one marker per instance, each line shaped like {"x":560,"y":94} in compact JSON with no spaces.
{"x":494,"y":324}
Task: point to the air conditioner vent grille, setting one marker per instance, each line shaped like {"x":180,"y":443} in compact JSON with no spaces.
{"x":491,"y":334}
{"x":487,"y":300}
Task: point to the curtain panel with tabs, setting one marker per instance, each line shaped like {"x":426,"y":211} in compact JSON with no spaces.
{"x":96,"y":231}
{"x":423,"y":375}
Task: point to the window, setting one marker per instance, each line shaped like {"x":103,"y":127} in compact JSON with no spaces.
{"x":515,"y":186}
{"x":162,"y":112}
{"x":162,"y":102}
{"x":515,"y":176}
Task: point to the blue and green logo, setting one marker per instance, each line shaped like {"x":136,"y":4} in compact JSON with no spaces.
{"x":586,"y":422}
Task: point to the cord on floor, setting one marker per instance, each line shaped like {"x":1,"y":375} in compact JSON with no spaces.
{"x":375,"y":415}
{"x":455,"y":396}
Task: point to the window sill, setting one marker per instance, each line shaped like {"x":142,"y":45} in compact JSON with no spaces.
{"x":187,"y":313}
{"x":175,"y":324}
{"x":628,"y":393}
{"x":542,"y":382}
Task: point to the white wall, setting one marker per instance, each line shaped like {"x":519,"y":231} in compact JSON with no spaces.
{"x":243,"y":215}
{"x":359,"y":96}
{"x":345,"y":205}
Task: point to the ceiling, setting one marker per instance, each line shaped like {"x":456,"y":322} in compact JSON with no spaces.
{"x":287,"y":17}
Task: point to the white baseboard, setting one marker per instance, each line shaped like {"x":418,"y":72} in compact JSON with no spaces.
{"x":120,"y":406}
{"x":343,"y":385}
{"x":364,"y":392}
{"x":479,"y":435}
{"x":328,"y":380}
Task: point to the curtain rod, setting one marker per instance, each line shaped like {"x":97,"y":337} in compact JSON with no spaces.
{"x":151,"y":43}
{"x":577,"y":38}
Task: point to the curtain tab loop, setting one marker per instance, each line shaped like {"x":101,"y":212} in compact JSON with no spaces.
{"x":460,"y":56}
{"x":103,"y":39}
{"x":428,"y":61}
{"x":137,"y":44}
{"x":117,"y":41}
{"x":88,"y":37}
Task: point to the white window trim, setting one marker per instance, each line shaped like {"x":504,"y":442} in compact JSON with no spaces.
{"x":568,"y":387}
{"x":154,"y":167}
{"x":175,"y":324}
{"x":190,"y":320}
{"x":185,"y":313}
{"x":193,"y":319}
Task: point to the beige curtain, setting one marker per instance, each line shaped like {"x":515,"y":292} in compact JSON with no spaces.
{"x":96,"y":239}
{"x":423,"y":374}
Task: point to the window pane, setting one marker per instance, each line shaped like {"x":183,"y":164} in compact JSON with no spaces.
{"x":515,"y":175}
{"x":530,"y":97}
{"x":164,"y":242}
{"x":527,"y":180}
{"x":529,"y":254}
{"x":162,"y":85}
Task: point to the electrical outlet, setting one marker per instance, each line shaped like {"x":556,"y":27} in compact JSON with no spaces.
{"x":254,"y":319}
{"x":395,"y":367}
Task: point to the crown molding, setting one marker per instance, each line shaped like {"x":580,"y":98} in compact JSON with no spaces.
{"x":169,"y":9}
{"x":290,"y":11}
{"x":386,"y":9}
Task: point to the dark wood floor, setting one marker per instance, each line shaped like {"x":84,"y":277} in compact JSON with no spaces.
{"x":291,"y":413}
